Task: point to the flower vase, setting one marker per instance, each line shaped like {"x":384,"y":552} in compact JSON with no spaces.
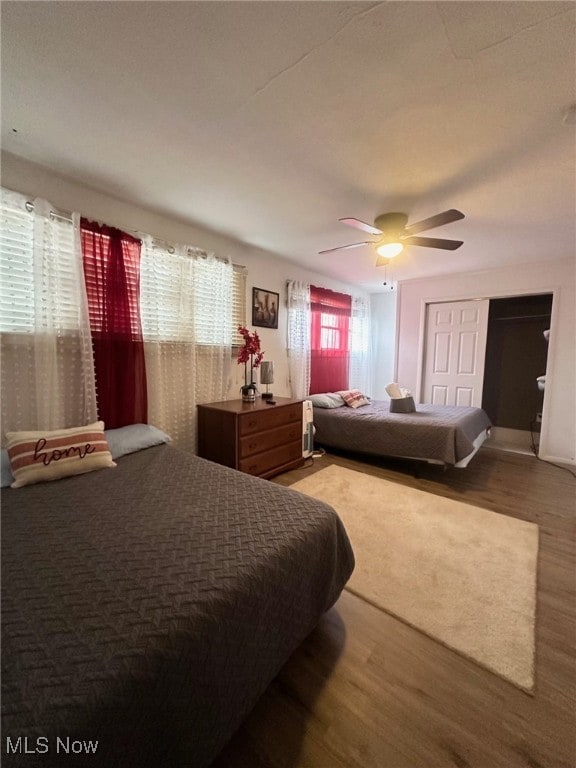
{"x":248,"y":393}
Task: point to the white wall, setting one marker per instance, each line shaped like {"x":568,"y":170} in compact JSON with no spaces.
{"x":558,"y":436}
{"x":265,"y":270}
{"x":383,"y":327}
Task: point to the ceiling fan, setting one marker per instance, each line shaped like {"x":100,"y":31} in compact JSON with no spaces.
{"x":394,"y":233}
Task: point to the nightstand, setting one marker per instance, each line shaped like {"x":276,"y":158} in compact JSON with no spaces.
{"x":255,"y":438}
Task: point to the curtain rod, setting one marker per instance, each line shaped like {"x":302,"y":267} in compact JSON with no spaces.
{"x":67,"y":216}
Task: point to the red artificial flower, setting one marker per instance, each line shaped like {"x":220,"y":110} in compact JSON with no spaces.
{"x":251,"y":351}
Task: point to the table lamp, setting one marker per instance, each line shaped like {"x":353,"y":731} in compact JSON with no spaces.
{"x":267,"y":377}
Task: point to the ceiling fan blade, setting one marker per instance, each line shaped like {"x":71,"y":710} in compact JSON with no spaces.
{"x":433,"y":242}
{"x":434,"y":221}
{"x":361,"y":225}
{"x":344,"y":247}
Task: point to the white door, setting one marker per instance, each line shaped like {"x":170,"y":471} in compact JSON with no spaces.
{"x":454,"y":352}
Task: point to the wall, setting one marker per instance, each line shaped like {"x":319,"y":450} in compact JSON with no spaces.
{"x":383,"y":327}
{"x":558,"y":435}
{"x":265,"y":270}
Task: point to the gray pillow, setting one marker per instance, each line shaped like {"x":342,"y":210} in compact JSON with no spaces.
{"x":134,"y":438}
{"x":7,"y":477}
{"x":327,"y":400}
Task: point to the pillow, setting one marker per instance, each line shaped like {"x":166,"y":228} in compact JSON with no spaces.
{"x":354,"y":398}
{"x":6,"y":476}
{"x":36,"y":457}
{"x":134,"y":438}
{"x":326,"y":400}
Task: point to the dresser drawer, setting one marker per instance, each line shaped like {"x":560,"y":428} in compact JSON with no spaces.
{"x":259,"y":421}
{"x":260,"y":463}
{"x":272,"y":438}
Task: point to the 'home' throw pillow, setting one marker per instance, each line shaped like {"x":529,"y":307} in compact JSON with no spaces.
{"x":37,"y":457}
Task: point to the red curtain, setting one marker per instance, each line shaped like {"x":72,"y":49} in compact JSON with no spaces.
{"x":329,"y":355}
{"x":112,"y":273}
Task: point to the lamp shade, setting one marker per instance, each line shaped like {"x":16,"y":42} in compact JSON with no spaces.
{"x":266,"y":372}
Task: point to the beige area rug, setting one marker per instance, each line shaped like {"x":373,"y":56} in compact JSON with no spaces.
{"x":463,"y":575}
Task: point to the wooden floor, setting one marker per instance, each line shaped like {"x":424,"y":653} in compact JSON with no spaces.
{"x":367,"y":691}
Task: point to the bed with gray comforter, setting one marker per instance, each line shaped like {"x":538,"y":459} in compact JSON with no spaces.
{"x":439,"y":433}
{"x":146,"y":608}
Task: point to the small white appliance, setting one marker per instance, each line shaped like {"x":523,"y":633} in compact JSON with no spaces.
{"x":307,"y":429}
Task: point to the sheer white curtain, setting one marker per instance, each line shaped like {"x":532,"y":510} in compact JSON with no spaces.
{"x":360,"y":349}
{"x":186,"y":306}
{"x":47,"y":374}
{"x":298,"y":341}
{"x":213,"y":331}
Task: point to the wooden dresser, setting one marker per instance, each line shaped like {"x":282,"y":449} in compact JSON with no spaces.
{"x":255,"y":438}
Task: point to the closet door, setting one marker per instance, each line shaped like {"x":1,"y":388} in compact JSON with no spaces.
{"x":454,"y":352}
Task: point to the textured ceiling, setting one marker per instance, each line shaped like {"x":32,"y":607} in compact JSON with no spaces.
{"x":269,"y":121}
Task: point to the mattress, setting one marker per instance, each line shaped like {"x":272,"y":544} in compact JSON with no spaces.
{"x":433,"y":432}
{"x":145,"y":608}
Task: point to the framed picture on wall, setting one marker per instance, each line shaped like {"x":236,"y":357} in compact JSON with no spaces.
{"x":265,"y":308}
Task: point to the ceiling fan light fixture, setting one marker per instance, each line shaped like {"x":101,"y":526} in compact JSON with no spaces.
{"x":389,"y":250}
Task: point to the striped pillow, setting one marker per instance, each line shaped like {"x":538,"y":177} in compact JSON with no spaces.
{"x":354,"y":398}
{"x":36,"y":457}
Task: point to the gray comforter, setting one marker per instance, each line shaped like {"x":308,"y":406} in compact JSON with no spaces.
{"x":439,"y":432}
{"x":147,"y":607}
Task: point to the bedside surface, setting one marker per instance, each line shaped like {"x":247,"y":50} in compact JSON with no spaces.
{"x":239,"y":406}
{"x":256,"y":438}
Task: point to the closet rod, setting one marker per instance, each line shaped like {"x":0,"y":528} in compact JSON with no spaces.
{"x":525,"y":317}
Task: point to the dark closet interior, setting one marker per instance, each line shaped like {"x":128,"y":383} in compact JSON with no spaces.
{"x":516,"y":355}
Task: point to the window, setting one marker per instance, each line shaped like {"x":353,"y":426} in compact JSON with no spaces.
{"x":329,"y":340}
{"x":220,"y":301}
{"x":329,"y":332}
{"x":187,"y":300}
{"x":187,"y":295}
{"x":23,"y":278}
{"x":111,"y":260}
{"x":47,"y":373}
